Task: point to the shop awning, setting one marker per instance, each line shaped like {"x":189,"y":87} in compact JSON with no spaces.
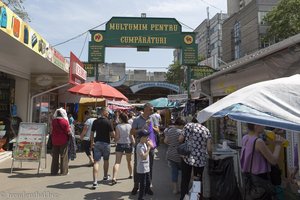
{"x":18,"y":59}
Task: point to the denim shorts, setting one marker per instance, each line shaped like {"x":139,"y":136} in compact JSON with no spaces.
{"x":101,"y":149}
{"x":127,"y":148}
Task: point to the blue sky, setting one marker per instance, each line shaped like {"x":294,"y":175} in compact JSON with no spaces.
{"x":60,"y":20}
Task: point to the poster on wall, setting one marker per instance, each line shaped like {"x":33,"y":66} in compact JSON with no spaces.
{"x":30,"y":141}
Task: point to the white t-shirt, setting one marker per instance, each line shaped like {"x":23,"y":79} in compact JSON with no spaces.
{"x":143,"y":166}
{"x":130,"y":121}
{"x":88,"y":123}
{"x":124,"y":130}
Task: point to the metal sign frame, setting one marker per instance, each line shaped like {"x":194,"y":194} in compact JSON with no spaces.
{"x":143,"y":33}
{"x":31,"y":144}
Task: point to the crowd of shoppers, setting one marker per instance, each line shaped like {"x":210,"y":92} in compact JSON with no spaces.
{"x":132,"y":135}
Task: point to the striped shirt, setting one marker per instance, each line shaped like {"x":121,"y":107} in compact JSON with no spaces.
{"x":172,"y":135}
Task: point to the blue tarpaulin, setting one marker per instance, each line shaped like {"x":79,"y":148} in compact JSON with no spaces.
{"x":163,"y":103}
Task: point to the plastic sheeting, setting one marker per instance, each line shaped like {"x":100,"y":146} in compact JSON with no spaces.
{"x":276,"y":101}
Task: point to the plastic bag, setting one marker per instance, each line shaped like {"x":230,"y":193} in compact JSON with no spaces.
{"x":223,"y":182}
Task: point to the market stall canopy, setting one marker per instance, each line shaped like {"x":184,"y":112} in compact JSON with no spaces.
{"x":88,"y":100}
{"x":119,"y":105}
{"x":274,"y":103}
{"x":99,"y":90}
{"x":163,"y":103}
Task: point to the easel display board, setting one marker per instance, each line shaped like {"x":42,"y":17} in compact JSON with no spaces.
{"x":30,"y":143}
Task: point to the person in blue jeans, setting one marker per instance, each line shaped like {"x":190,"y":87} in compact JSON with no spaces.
{"x":143,"y":162}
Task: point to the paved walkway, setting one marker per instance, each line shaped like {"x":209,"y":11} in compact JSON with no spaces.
{"x":25,"y":183}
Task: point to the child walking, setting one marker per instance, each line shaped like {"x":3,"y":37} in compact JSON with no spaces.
{"x":143,"y":163}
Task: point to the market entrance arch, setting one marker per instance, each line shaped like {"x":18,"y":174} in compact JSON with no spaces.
{"x":143,"y":33}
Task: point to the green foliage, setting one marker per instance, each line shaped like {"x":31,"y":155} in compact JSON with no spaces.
{"x":17,"y":7}
{"x":201,"y":57}
{"x":175,"y":74}
{"x":283,"y":20}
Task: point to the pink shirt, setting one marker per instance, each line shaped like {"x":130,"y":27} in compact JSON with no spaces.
{"x":259,"y":164}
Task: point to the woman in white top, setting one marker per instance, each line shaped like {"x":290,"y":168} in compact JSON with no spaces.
{"x":85,"y":136}
{"x":124,"y":144}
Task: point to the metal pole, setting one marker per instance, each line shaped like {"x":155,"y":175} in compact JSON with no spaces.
{"x":96,"y":71}
{"x":188,"y":80}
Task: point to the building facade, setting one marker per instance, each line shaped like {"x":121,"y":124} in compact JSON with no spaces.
{"x":244,"y":30}
{"x":234,"y":6}
{"x":209,"y":40}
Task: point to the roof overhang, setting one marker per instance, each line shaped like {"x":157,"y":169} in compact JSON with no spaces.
{"x":16,"y":58}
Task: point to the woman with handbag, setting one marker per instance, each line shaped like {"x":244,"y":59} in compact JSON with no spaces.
{"x":60,"y":137}
{"x":174,"y":159}
{"x":199,"y":138}
{"x":256,"y":161}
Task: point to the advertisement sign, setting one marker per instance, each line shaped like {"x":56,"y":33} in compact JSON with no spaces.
{"x":57,"y":59}
{"x":21,"y":31}
{"x":143,"y":33}
{"x":89,"y":68}
{"x":78,"y":74}
{"x":30,"y":142}
{"x":198,"y":72}
{"x":178,"y":97}
{"x":189,"y":50}
{"x":96,"y":53}
{"x":14,"y":26}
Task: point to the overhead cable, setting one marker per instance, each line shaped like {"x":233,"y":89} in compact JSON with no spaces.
{"x":83,"y":45}
{"x":73,"y":38}
{"x":213,"y":6}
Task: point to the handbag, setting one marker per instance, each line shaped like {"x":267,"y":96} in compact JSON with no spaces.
{"x":257,"y":188}
{"x":275,"y":175}
{"x":184,"y":149}
{"x":49,"y":142}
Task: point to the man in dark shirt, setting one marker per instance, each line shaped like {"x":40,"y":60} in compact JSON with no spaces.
{"x":101,"y":143}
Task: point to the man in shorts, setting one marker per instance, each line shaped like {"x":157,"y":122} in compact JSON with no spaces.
{"x":101,"y":144}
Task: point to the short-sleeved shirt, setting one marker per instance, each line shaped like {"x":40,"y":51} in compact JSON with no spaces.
{"x":124,"y":131}
{"x":139,"y":123}
{"x":155,"y":119}
{"x":88,"y":123}
{"x":197,"y":135}
{"x":143,"y":166}
{"x":103,"y":127}
{"x":173,"y":134}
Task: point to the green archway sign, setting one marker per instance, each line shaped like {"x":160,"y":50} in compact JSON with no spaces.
{"x":143,"y":33}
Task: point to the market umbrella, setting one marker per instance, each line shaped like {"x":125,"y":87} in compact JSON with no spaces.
{"x":99,"y":90}
{"x":162,"y":103}
{"x":274,"y":103}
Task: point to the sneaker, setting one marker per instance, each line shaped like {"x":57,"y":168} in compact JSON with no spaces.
{"x":150,"y":192}
{"x":95,"y":185}
{"x":130,"y":177}
{"x":134,"y":191}
{"x":106,"y":178}
{"x":113,"y":182}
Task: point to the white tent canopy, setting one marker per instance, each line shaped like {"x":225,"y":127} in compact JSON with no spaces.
{"x":276,"y":100}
